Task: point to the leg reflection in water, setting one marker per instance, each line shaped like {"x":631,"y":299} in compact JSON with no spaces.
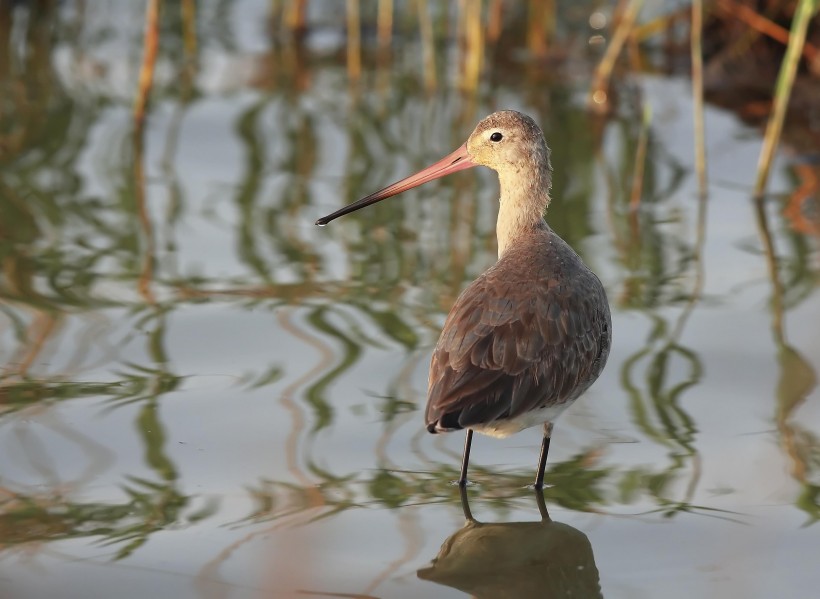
{"x":520,"y":560}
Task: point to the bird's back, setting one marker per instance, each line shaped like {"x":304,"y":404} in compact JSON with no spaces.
{"x":527,"y":337}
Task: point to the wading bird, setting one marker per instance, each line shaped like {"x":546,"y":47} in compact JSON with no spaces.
{"x":532,"y":333}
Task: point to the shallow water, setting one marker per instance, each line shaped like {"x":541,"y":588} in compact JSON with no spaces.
{"x":204,"y":395}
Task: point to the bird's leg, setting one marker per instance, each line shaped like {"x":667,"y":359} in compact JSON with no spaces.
{"x":542,"y":461}
{"x":462,"y":482}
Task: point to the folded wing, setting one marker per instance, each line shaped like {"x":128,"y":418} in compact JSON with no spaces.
{"x":511,"y":346}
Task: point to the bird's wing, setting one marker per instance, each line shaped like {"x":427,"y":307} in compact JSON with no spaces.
{"x":509,"y":347}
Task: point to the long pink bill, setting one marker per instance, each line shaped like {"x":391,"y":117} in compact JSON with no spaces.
{"x":452,"y":163}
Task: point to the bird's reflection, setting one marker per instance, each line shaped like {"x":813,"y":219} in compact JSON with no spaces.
{"x":516,"y":559}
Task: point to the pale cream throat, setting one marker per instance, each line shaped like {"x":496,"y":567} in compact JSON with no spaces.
{"x":522,"y":204}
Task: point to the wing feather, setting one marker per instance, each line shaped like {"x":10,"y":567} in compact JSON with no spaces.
{"x":515,"y":343}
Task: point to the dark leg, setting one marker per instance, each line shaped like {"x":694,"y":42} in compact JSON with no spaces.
{"x":542,"y":505}
{"x":542,"y":461}
{"x":465,"y":503}
{"x":462,"y":482}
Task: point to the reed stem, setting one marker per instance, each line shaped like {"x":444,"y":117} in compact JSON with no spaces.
{"x":473,"y":44}
{"x":696,"y":35}
{"x":598,"y":97}
{"x":783,"y":89}
{"x":428,"y":49}
{"x":149,"y":59}
{"x":384,"y":24}
{"x":354,"y":41}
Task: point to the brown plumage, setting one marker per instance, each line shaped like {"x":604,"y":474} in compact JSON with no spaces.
{"x":527,"y":334}
{"x":533,"y":332}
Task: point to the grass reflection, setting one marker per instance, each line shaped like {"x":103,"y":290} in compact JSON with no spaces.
{"x":797,"y":380}
{"x":95,"y":217}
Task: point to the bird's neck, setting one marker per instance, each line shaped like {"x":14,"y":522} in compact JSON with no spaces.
{"x":524,"y":200}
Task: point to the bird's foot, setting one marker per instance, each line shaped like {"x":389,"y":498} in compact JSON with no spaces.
{"x":463,"y":483}
{"x":538,"y":487}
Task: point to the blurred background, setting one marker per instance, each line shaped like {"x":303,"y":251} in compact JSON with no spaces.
{"x":204,"y":395}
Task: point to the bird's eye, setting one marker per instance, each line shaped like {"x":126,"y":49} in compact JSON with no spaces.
{"x":496,"y":136}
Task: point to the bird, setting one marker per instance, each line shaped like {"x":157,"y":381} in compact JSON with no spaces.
{"x":533,"y":332}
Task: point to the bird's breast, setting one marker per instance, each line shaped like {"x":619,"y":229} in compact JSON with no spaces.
{"x":509,"y":426}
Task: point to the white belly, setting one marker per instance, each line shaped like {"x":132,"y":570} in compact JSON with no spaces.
{"x":507,"y":427}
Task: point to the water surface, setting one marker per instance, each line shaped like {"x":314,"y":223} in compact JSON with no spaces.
{"x":204,"y":395}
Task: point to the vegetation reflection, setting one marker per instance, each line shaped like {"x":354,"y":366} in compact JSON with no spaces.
{"x":92,"y":216}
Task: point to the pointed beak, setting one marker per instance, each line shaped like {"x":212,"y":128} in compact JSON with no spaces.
{"x":452,"y":163}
